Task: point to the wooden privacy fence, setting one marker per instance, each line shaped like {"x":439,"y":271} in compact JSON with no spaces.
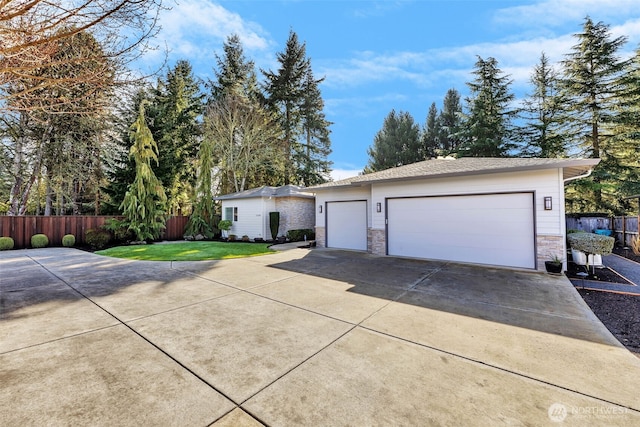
{"x":21,"y":228}
{"x":625,"y":228}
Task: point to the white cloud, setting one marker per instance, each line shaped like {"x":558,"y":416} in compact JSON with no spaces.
{"x":198,"y":28}
{"x":554,"y":13}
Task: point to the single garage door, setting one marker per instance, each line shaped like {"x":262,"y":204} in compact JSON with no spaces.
{"x":347,"y":225}
{"x":495,"y":229}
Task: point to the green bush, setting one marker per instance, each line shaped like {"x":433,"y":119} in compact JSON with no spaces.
{"x":6,"y":243}
{"x":68,"y":240}
{"x":119,"y":229}
{"x":97,"y":238}
{"x":591,"y":243}
{"x":298,"y":235}
{"x":39,"y":241}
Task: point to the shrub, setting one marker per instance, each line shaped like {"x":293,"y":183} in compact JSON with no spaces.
{"x":274,"y":224}
{"x":119,"y":229}
{"x":245,"y":238}
{"x":97,"y":238}
{"x":591,"y":243}
{"x":6,"y":243}
{"x":298,"y":235}
{"x":232,"y":237}
{"x":68,"y":240}
{"x":39,"y":241}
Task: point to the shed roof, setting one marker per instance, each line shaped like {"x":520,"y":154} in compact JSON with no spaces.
{"x":466,"y":166}
{"x":267,"y":191}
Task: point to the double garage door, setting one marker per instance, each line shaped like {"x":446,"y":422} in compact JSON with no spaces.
{"x":494,"y":229}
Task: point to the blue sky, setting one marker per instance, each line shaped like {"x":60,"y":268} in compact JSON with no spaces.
{"x":382,"y":55}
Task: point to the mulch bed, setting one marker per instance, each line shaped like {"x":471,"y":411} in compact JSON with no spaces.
{"x":620,"y":313}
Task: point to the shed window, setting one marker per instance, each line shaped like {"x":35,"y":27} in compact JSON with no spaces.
{"x":228,"y":214}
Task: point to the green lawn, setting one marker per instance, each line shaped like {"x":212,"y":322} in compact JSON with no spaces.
{"x":188,"y":251}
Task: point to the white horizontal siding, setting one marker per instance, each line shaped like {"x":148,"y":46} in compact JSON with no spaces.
{"x":543,"y":183}
{"x":342,"y":194}
{"x":250,"y":217}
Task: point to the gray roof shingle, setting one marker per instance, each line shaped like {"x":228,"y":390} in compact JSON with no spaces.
{"x":266,"y":191}
{"x":449,"y":167}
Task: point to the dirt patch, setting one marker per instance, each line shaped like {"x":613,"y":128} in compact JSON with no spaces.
{"x":620,"y":313}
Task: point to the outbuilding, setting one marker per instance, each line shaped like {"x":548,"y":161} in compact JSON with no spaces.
{"x":491,"y":211}
{"x":249,"y":210}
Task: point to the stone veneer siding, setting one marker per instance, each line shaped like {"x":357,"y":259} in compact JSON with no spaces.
{"x":320,"y":237}
{"x":549,"y":246}
{"x":296,"y":213}
{"x":376,"y":241}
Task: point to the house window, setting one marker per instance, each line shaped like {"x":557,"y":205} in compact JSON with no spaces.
{"x":235,"y":214}
{"x":228,"y":214}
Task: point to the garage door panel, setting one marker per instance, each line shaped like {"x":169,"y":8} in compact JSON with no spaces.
{"x":347,"y":225}
{"x":496,"y":229}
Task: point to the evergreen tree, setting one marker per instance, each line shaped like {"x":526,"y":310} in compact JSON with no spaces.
{"x":234,"y":71}
{"x":144,"y":204}
{"x":431,"y":133}
{"x":285,"y":91}
{"x":542,"y":112}
{"x":449,"y":122}
{"x":202,"y":219}
{"x":311,"y":161}
{"x":625,"y":145}
{"x":592,"y":72}
{"x":487,"y":128}
{"x":119,"y":166}
{"x":176,"y":107}
{"x":396,"y":144}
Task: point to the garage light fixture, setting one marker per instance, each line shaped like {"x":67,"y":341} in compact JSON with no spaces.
{"x":548,"y":204}
{"x":320,"y":209}
{"x":378,"y":207}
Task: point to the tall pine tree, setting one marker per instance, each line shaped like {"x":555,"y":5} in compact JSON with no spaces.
{"x":431,"y":133}
{"x":487,"y":128}
{"x":396,"y":144}
{"x":286,"y":95}
{"x":542,"y":112}
{"x":311,"y":161}
{"x":449,"y":122}
{"x":591,"y":72}
{"x":175,"y":111}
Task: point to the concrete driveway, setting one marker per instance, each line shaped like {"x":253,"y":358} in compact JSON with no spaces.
{"x":301,"y":337}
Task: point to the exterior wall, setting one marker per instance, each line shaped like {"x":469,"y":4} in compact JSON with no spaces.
{"x":250,"y":217}
{"x":253,"y":215}
{"x":295,"y":213}
{"x":549,"y":224}
{"x":340,"y":194}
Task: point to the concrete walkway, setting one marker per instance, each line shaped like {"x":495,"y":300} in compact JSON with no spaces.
{"x":626,"y":268}
{"x":301,"y":337}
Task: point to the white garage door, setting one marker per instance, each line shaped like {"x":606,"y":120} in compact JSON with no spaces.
{"x":496,"y":229}
{"x":347,"y":225}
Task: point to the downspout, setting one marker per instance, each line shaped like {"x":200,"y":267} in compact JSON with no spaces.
{"x":584,"y":175}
